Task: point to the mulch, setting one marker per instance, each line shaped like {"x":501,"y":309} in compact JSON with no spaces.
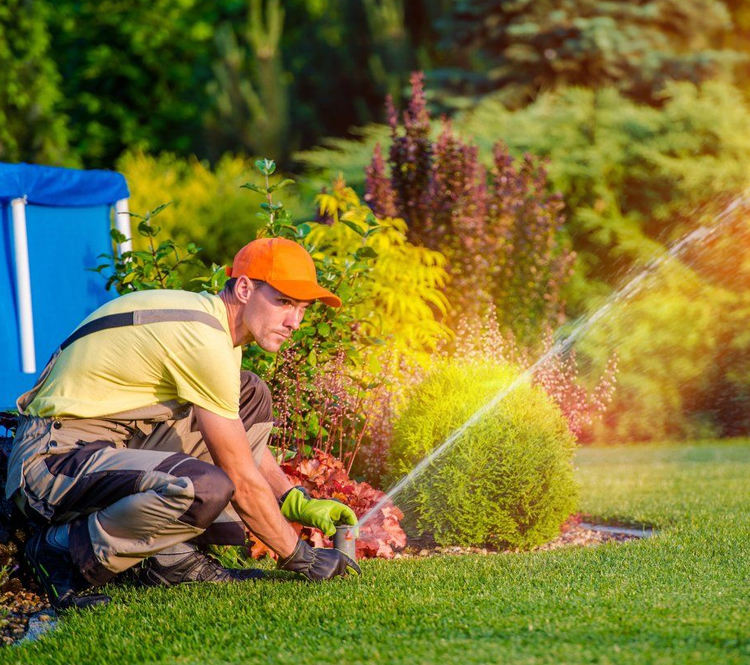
{"x":573,"y":534}
{"x":17,"y":603}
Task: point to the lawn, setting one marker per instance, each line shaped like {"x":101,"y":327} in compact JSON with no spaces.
{"x":678,"y":597}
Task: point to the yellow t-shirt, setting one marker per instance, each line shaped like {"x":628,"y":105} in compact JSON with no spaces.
{"x":132,"y":367}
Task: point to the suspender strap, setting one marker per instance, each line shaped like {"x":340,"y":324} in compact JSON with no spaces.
{"x":142,"y":317}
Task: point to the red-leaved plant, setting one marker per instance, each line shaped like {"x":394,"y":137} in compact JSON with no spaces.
{"x":498,"y":225}
{"x":325,"y":477}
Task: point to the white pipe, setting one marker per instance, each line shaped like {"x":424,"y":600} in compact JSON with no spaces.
{"x":23,"y":286}
{"x":122,"y":224}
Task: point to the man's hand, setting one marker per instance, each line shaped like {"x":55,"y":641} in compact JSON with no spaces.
{"x":324,"y":514}
{"x":318,"y":563}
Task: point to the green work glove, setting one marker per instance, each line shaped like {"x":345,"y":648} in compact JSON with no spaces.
{"x":324,"y":514}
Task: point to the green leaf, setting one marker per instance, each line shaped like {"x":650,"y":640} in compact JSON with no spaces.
{"x":265,"y":166}
{"x":145,"y":229}
{"x":158,"y":209}
{"x":312,"y":359}
{"x":255,"y":188}
{"x":324,"y":329}
{"x":366,"y":253}
{"x":313,"y":423}
{"x":117,"y":236}
{"x":280,"y":185}
{"x":354,"y":227}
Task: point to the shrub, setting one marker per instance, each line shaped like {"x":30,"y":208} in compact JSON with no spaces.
{"x":670,"y":339}
{"x":404,"y":294}
{"x":507,"y":481}
{"x":499,"y":227}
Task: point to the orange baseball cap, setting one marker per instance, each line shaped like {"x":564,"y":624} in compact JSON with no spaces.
{"x":285,"y":265}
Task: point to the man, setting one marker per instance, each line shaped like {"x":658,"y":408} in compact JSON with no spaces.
{"x":143,"y":439}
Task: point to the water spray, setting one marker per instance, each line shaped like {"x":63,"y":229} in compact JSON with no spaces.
{"x":579,"y":327}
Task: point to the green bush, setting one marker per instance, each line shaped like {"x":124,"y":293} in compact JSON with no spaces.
{"x":508,"y":481}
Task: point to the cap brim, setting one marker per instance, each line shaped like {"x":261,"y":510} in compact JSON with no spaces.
{"x":301,"y":290}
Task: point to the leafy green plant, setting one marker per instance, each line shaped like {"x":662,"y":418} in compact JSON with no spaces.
{"x":508,"y":480}
{"x":319,"y":379}
{"x":157,"y":267}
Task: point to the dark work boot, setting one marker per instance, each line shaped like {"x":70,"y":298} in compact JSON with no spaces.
{"x":56,"y":573}
{"x":184,"y":563}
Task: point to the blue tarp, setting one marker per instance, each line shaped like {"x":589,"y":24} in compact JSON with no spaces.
{"x":68,"y":215}
{"x":53,"y":186}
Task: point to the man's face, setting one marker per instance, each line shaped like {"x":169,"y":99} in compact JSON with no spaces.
{"x":270,"y":317}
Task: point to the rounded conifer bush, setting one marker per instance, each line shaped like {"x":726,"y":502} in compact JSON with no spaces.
{"x":507,"y":481}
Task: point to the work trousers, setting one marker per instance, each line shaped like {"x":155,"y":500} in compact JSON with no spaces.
{"x":131,"y":487}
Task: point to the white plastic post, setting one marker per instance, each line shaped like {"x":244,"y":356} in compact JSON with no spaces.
{"x":122,"y":224}
{"x":23,"y":286}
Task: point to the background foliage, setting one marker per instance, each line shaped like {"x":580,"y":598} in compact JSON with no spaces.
{"x":582,"y":138}
{"x":32,"y":124}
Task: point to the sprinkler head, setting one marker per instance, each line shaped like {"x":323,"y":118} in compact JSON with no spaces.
{"x":345,"y":540}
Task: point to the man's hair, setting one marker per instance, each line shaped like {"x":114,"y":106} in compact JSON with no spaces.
{"x":232,"y":281}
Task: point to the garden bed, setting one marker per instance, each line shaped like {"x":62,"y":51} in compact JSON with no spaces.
{"x":574,"y":533}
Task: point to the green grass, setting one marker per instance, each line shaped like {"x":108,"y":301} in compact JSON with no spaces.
{"x":679,"y":597}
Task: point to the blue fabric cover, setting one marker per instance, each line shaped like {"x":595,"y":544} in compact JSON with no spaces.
{"x":63,"y":241}
{"x":54,"y":186}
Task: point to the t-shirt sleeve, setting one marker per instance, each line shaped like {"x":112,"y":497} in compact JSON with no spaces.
{"x":207,"y":377}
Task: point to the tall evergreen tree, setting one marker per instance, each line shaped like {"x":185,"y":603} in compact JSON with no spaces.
{"x":527,"y":46}
{"x":250,"y":101}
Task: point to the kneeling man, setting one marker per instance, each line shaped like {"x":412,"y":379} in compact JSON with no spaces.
{"x":143,"y":439}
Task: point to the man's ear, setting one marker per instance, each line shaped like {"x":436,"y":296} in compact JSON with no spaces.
{"x":243,"y":288}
